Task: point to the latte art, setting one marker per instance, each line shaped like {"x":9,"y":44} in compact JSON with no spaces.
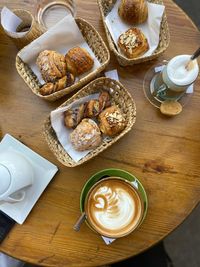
{"x":114,"y":207}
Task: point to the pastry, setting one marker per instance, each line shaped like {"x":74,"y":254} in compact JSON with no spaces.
{"x":133,"y":11}
{"x":92,"y":108}
{"x":78,"y":61}
{"x":111,"y":121}
{"x":133,"y":43}
{"x":104,"y":100}
{"x":50,"y":88}
{"x":72,"y":117}
{"x":52,"y":65}
{"x":86,"y":135}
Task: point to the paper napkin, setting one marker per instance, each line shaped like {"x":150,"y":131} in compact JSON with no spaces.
{"x":10,"y":22}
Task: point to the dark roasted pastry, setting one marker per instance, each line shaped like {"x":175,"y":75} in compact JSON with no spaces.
{"x":74,"y":116}
{"x":86,"y":135}
{"x":52,"y":65}
{"x":50,"y":88}
{"x":78,"y":61}
{"x":133,"y":11}
{"x":111,"y":121}
{"x":133,"y":43}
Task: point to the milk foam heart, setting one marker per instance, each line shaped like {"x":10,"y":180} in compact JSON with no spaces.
{"x":178,"y":73}
{"x":114,"y":208}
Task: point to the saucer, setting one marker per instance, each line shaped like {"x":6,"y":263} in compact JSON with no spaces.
{"x":115,"y":173}
{"x":44,"y":171}
{"x":148,"y":88}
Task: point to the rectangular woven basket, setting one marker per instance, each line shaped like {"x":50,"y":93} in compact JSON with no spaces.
{"x":95,"y":42}
{"x":120,"y":97}
{"x":106,"y":6}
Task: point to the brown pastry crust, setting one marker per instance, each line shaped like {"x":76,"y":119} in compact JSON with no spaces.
{"x":52,"y":65}
{"x":86,"y":135}
{"x":50,"y":88}
{"x":72,"y":117}
{"x":78,"y":61}
{"x":133,"y":43}
{"x":111,"y":121}
{"x":92,"y":108}
{"x":133,"y":11}
{"x":104,"y":100}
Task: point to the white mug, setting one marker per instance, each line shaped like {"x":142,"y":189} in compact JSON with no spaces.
{"x":16,"y":173}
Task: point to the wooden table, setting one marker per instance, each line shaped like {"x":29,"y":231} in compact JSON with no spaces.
{"x":164,"y":153}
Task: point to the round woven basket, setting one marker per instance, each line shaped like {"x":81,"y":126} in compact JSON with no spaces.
{"x":28,"y":24}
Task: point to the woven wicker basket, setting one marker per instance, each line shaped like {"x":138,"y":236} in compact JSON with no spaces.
{"x":97,"y":45}
{"x":28,"y":22}
{"x":106,"y":6}
{"x":120,"y":97}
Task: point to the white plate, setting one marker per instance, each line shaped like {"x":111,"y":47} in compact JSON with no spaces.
{"x":43,"y":173}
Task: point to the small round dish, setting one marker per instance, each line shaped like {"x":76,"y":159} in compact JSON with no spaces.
{"x":114,"y":173}
{"x":148,"y":88}
{"x":49,"y":12}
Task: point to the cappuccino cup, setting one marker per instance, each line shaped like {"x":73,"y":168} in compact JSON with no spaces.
{"x":175,"y":77}
{"x":113,"y":207}
{"x":16,"y":174}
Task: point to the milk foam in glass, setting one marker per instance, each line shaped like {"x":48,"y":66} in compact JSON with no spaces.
{"x":177,"y":72}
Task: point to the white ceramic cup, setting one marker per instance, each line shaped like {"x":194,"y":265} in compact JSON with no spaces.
{"x":16,"y":173}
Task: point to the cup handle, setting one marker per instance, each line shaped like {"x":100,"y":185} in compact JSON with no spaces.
{"x":15,"y":199}
{"x":161,"y":89}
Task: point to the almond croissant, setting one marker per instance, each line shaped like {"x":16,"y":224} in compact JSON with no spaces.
{"x":52,"y":65}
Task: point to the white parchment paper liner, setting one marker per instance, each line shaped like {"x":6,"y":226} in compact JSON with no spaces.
{"x":151,"y":28}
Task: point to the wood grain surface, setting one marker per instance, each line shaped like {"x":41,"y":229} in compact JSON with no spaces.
{"x":163,"y":153}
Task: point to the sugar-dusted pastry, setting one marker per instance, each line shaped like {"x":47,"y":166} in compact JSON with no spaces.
{"x":72,"y":117}
{"x":133,"y":43}
{"x":52,"y":65}
{"x":104,"y":100}
{"x":111,"y":121}
{"x":50,"y":88}
{"x":133,"y":11}
{"x":86,"y":135}
{"x":78,"y":61}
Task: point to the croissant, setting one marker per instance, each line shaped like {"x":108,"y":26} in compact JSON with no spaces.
{"x":104,"y":100}
{"x":50,"y":88}
{"x":52,"y":65}
{"x":133,"y":11}
{"x":78,"y":61}
{"x":92,"y":108}
{"x":74,"y":116}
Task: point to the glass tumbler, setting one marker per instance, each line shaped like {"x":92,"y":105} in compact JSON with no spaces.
{"x":48,"y":12}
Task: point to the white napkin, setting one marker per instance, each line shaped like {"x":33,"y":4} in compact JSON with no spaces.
{"x":10,"y":22}
{"x":151,"y":28}
{"x":61,"y":37}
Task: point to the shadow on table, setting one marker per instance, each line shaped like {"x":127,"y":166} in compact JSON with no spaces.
{"x":154,"y":257}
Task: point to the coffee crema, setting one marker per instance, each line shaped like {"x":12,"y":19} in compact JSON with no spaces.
{"x":114,"y":208}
